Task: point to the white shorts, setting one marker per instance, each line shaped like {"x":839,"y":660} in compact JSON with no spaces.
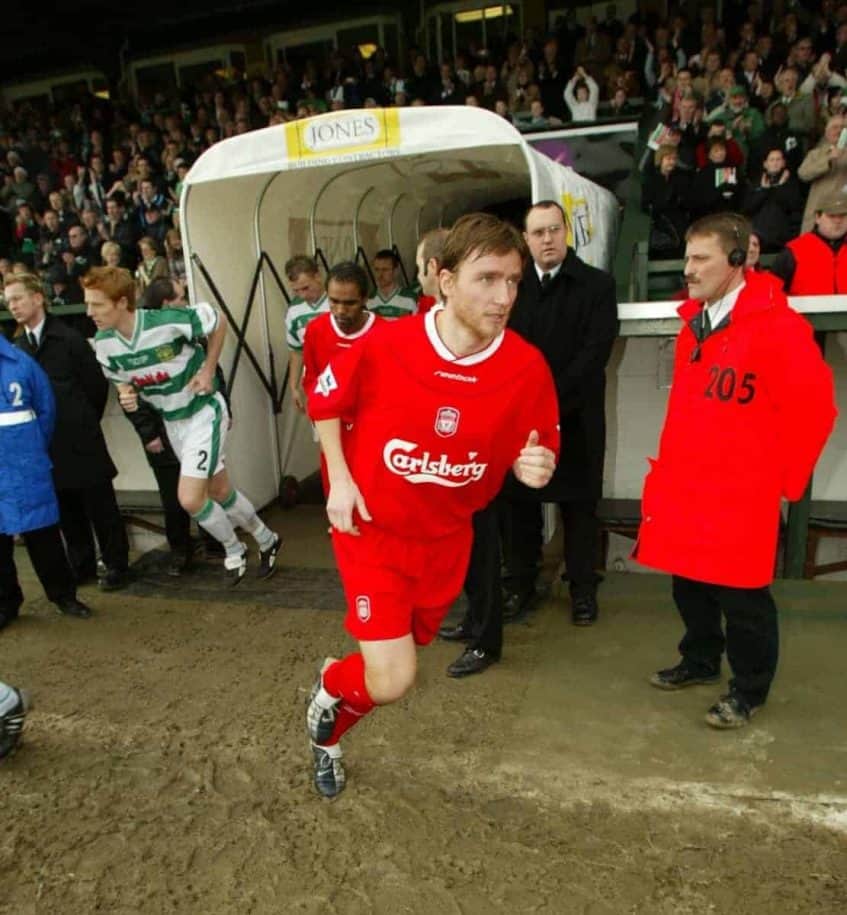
{"x":199,"y":441}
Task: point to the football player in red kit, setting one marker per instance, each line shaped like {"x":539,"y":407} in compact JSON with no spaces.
{"x":442,"y":406}
{"x":346,"y":323}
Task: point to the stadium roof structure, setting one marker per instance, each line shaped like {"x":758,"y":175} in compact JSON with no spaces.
{"x":342,"y":186}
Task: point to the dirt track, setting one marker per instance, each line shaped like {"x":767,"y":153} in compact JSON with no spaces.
{"x":166,"y":770}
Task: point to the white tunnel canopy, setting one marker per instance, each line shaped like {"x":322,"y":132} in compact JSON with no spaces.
{"x":369,"y":178}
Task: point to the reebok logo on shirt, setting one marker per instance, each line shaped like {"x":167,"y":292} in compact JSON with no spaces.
{"x":399,"y":458}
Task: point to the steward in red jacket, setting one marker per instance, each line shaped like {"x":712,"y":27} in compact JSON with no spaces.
{"x":750,"y":408}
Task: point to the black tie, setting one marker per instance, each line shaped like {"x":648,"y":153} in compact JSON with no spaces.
{"x":706,"y":326}
{"x":545,"y":281}
{"x":33,"y":343}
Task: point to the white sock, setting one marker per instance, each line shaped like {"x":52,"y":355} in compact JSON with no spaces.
{"x":8,"y":698}
{"x":241,"y":513}
{"x":215,"y":520}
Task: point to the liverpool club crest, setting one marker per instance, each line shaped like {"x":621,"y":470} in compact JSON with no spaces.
{"x":446,"y":421}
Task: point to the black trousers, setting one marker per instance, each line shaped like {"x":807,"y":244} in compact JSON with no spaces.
{"x":177,"y":519}
{"x":96,"y":507}
{"x":752,"y":633}
{"x":484,"y":616}
{"x":524,"y":528}
{"x":47,"y":554}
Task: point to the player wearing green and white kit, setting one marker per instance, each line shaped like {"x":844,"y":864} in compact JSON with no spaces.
{"x":390,"y":301}
{"x":14,"y":704}
{"x":309,"y":301}
{"x":158,"y":356}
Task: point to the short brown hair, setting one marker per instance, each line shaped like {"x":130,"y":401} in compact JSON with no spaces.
{"x":150,"y":242}
{"x":731,"y":229}
{"x":547,"y":205}
{"x":666,"y":149}
{"x":480,"y":234}
{"x":432,"y":245}
{"x":114,"y":282}
{"x":295,"y":266}
{"x":29,"y":281}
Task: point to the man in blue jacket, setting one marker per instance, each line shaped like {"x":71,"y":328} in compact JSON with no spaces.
{"x":27,"y":499}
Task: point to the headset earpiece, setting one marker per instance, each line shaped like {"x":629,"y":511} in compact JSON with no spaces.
{"x":738,"y":256}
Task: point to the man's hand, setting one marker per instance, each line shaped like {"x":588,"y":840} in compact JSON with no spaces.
{"x":128,"y":397}
{"x":156,"y":446}
{"x":344,"y":498}
{"x":299,"y":398}
{"x":535,"y":464}
{"x":202,"y":382}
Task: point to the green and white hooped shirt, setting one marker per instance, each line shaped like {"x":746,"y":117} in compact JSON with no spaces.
{"x":399,"y":304}
{"x":297,"y":317}
{"x":162,"y":356}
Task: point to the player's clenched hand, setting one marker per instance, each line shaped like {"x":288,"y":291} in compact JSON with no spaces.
{"x":128,"y":397}
{"x":299,"y":399}
{"x":535,"y":463}
{"x":344,"y":499}
{"x":202,"y":382}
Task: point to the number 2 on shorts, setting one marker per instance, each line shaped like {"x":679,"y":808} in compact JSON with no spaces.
{"x":201,"y":464}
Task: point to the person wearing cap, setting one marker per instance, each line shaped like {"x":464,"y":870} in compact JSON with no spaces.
{"x":743,"y":122}
{"x":815,"y":263}
{"x":824,"y":168}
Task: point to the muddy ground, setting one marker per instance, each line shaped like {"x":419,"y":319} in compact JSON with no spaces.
{"x":165,"y":767}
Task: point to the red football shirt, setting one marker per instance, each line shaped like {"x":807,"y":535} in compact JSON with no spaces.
{"x":324,"y":339}
{"x":433,"y":435}
{"x":426,"y":303}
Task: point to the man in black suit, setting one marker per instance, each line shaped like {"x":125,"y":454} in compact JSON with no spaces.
{"x":569,"y":311}
{"x":82,"y":468}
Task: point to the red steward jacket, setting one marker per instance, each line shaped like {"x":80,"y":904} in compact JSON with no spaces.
{"x":745,"y":424}
{"x":819,"y":269}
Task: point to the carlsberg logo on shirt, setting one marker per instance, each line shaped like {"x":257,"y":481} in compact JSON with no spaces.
{"x":400,"y":458}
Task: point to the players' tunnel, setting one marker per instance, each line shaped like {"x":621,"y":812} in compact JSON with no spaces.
{"x":342,"y":183}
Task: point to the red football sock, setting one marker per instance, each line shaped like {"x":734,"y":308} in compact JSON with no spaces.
{"x":346,"y":678}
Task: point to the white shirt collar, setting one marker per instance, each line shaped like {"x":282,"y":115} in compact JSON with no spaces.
{"x":37,"y":331}
{"x":553,"y":271}
{"x":444,"y":352}
{"x":724,"y":305}
{"x":371,"y":317}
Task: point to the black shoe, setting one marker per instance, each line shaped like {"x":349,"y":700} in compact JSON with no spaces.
{"x":12,"y":723}
{"x":457,"y":632}
{"x":584,"y":610}
{"x":236,"y":566}
{"x":517,"y":604}
{"x":113,"y":579}
{"x":267,"y":558}
{"x":731,"y":711}
{"x":73,"y":607}
{"x":320,"y":718}
{"x":329,"y":770}
{"x":178,"y":564}
{"x":681,"y":676}
{"x":472,"y":661}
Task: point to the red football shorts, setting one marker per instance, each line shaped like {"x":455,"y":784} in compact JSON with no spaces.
{"x":395,"y":586}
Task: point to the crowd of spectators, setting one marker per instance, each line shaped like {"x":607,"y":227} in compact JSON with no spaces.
{"x":749,"y":115}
